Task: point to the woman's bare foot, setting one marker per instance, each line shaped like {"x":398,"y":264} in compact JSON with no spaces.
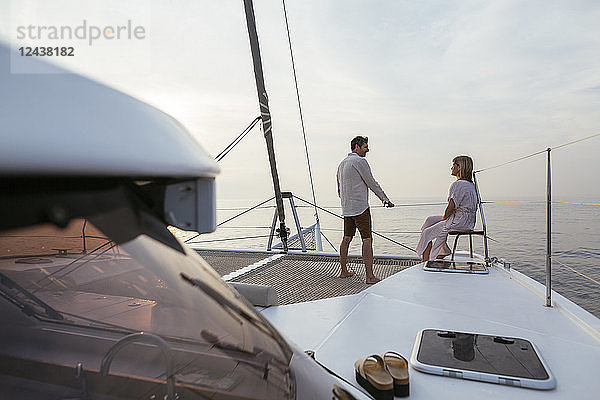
{"x":372,"y":280}
{"x":347,"y":274}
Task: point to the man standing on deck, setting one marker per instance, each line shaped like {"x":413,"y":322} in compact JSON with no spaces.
{"x":354,"y":179}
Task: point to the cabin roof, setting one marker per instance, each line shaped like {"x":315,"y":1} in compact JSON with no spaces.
{"x":61,"y":123}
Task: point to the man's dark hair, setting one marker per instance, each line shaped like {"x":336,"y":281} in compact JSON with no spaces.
{"x":359,"y":140}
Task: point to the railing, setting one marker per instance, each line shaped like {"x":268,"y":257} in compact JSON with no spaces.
{"x":483,"y":223}
{"x":548,"y":207}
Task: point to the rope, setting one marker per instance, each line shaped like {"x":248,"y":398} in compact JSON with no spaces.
{"x":238,"y":139}
{"x":513,"y":202}
{"x":240,"y":208}
{"x":393,"y":241}
{"x":538,"y":152}
{"x":397,"y":205}
{"x":331,"y":244}
{"x":577,"y":272}
{"x":553,"y":259}
{"x":390,"y":232}
{"x":320,"y":208}
{"x":575,"y":141}
{"x":245,"y":227}
{"x":512,"y":161}
{"x":244,"y":212}
{"x":528,"y":252}
{"x":415,"y":205}
{"x":483,"y":202}
{"x":578,"y":204}
{"x":312,"y":186}
{"x":375,"y":233}
{"x":235,"y":216}
{"x":228,"y":239}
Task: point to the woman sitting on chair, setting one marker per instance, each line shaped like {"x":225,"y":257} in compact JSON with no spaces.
{"x":458,"y":216}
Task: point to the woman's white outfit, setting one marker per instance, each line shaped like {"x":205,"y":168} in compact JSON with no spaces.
{"x":435,"y":229}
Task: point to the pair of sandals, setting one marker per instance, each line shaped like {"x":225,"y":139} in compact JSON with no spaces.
{"x":383,"y":376}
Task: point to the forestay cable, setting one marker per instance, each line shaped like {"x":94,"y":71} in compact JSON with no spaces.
{"x":312,"y":186}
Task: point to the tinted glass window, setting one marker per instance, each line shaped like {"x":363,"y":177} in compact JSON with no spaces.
{"x":78,"y":278}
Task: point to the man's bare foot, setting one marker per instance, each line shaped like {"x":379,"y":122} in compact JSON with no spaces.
{"x":347,"y":274}
{"x":372,"y":280}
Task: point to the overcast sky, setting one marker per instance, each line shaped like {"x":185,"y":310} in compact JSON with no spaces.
{"x":425,"y":80}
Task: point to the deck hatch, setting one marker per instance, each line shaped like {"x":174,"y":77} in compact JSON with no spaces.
{"x":461,"y":267}
{"x":496,"y":359}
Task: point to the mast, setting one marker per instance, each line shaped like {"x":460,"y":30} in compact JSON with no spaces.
{"x":265,"y":115}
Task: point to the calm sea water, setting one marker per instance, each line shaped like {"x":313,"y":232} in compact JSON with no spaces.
{"x":518,"y":230}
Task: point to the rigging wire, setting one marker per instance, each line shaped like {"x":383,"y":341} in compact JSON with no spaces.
{"x":246,"y":227}
{"x":228,"y":239}
{"x":574,"y":141}
{"x":238,"y":139}
{"x":394,"y":241}
{"x":241,"y":208}
{"x":538,"y":153}
{"x":244,"y":212}
{"x":387,"y":233}
{"x":445,"y":203}
{"x":328,"y":241}
{"x":235,"y":216}
{"x":517,"y":249}
{"x":511,"y":161}
{"x":382,"y":206}
{"x":312,"y":186}
{"x":553,"y":259}
{"x":577,"y":272}
{"x":375,"y":233}
{"x":576,"y":204}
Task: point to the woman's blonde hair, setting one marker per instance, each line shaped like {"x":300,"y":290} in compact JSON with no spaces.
{"x":465,"y":163}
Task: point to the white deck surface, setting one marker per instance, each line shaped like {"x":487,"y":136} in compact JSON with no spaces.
{"x":388,"y":316}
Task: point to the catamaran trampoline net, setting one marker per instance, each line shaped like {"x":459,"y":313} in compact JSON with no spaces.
{"x":298,"y":277}
{"x":226,"y":262}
